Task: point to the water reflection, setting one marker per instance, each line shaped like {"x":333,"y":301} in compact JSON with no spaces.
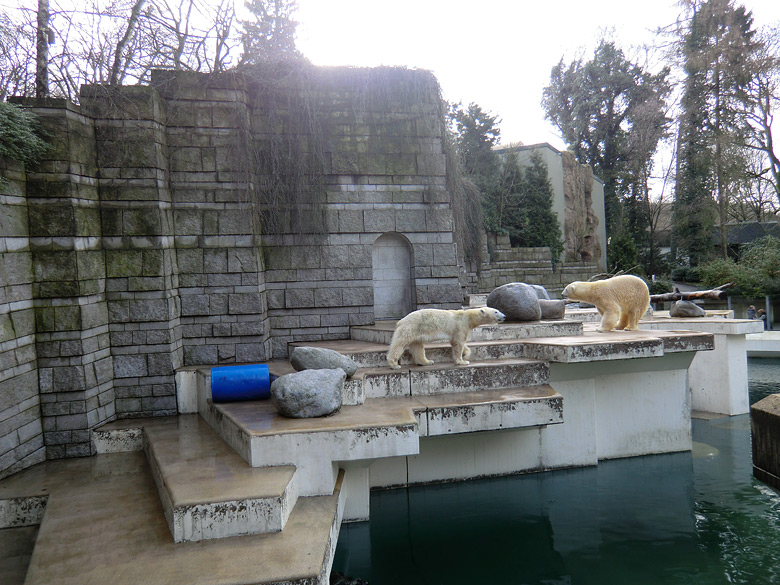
{"x":683,"y":518}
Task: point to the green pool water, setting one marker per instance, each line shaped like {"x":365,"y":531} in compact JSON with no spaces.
{"x":698,"y":518}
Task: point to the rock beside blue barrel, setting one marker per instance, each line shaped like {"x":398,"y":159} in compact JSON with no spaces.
{"x":309,"y":393}
{"x":320,"y":358}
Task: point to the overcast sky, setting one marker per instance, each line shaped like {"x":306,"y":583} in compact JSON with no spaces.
{"x":497,"y":53}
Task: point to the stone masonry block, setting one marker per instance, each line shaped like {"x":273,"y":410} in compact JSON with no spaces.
{"x":149,"y":310}
{"x":190,"y":260}
{"x":350,"y":221}
{"x":242,"y":260}
{"x":188,"y":222}
{"x":379,"y":220}
{"x":330,"y":297}
{"x":245,"y":303}
{"x":130,"y":366}
{"x":410,"y":221}
{"x":299,"y":298}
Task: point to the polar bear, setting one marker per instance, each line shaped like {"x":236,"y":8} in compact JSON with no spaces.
{"x":429,"y":325}
{"x":621,"y":300}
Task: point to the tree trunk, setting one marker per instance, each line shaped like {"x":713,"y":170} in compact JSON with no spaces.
{"x":42,"y":48}
{"x":135,"y":13}
{"x":716,"y":293}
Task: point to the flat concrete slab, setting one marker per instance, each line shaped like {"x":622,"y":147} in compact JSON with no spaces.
{"x":207,"y":490}
{"x":104,"y":524}
{"x":594,"y":345}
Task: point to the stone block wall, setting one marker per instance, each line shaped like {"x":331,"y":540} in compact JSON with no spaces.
{"x":135,"y":247}
{"x":384,"y":174}
{"x":21,"y":431}
{"x":218,"y":256}
{"x":137,"y":240}
{"x":504,"y":264}
{"x":69,"y":285}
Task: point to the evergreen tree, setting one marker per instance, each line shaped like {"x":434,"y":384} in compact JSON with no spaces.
{"x":527,"y":214}
{"x":542,"y":228}
{"x":270,"y":35}
{"x":716,"y":49}
{"x":476,"y":133}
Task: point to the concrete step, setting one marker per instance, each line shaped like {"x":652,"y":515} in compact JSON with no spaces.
{"x":190,"y":464}
{"x":500,"y":369}
{"x":382,"y":427}
{"x":103,"y":524}
{"x":510,"y":408}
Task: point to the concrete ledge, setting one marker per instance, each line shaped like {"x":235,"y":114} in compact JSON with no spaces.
{"x":765,"y":430}
{"x":765,"y":344}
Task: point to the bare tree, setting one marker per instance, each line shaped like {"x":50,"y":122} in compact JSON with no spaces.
{"x":763,"y":99}
{"x":112,"y":42}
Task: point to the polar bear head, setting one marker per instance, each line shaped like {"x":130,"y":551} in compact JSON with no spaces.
{"x":486,"y":316}
{"x":571,"y":291}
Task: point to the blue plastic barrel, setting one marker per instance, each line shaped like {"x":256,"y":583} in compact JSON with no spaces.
{"x":233,"y":383}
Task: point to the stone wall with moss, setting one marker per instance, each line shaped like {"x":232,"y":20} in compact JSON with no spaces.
{"x":206,"y":220}
{"x":21,"y":432}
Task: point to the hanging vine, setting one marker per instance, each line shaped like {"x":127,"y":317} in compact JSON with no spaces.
{"x":281,"y":147}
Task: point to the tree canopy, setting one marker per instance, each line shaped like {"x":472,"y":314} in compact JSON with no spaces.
{"x":612,"y":114}
{"x":270,"y":34}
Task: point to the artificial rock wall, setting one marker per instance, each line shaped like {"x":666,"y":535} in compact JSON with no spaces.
{"x":134,"y":248}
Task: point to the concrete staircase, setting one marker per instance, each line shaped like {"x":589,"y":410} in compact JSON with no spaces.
{"x":241,"y":470}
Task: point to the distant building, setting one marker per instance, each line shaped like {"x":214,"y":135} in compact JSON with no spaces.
{"x":578,"y":201}
{"x":739,"y":234}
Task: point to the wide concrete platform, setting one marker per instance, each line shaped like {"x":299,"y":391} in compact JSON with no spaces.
{"x":103,"y":523}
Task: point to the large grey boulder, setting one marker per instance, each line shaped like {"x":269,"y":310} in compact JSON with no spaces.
{"x":686,"y":309}
{"x":541,"y":292}
{"x":320,"y":358}
{"x":308,"y":394}
{"x":517,"y":300}
{"x":552,"y":309}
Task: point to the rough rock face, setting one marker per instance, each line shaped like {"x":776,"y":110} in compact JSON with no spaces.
{"x":320,"y":358}
{"x":517,"y":300}
{"x":541,"y":292}
{"x":308,"y":394}
{"x":552,"y":309}
{"x":686,"y":309}
{"x":582,"y":242}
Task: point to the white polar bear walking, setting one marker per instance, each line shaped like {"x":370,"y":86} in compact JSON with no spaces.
{"x":430,"y":325}
{"x":621,"y":300}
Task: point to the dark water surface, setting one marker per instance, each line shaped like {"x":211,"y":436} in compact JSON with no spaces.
{"x":698,"y":518}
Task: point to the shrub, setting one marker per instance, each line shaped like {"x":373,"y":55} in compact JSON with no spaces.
{"x":756,"y":274}
{"x":660,"y":286}
{"x":20,"y":135}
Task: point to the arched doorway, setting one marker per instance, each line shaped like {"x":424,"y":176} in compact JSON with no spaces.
{"x":391,"y":258}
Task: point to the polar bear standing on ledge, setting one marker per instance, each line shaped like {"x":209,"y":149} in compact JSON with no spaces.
{"x":429,"y":325}
{"x":621,"y":300}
